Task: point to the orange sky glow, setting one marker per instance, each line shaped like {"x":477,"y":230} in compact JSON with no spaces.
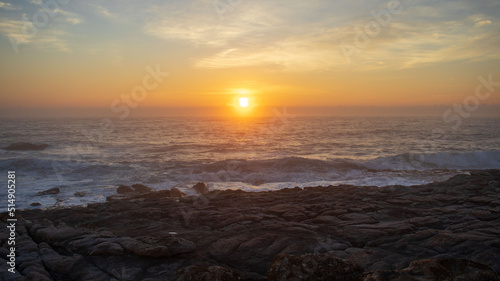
{"x":195,"y":54}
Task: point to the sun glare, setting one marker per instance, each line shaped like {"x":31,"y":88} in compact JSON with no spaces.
{"x":244,"y":102}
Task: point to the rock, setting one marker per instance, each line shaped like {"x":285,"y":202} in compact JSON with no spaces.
{"x":211,"y":273}
{"x":438,"y":269}
{"x":36,"y":273}
{"x":147,"y":236}
{"x":53,"y":261}
{"x":51,"y":233}
{"x":331,"y":220}
{"x":162,"y":194}
{"x":51,"y":191}
{"x":107,"y":249}
{"x":174,"y":192}
{"x":481,"y":199}
{"x":36,"y":204}
{"x":238,"y":219}
{"x":122,"y":189}
{"x":83,"y":244}
{"x":258,"y":182}
{"x":143,"y":249}
{"x":264,"y":244}
{"x":361,"y":238}
{"x":399,"y":201}
{"x":294,"y":216}
{"x":116,"y":197}
{"x":72,"y":267}
{"x":484,"y":215}
{"x":154,"y":195}
{"x":25,"y":146}
{"x":16,"y":276}
{"x":281,"y":209}
{"x":223,"y":249}
{"x":179,"y":246}
{"x":174,"y":246}
{"x":201,"y":188}
{"x":80,"y":194}
{"x":314,"y":267}
{"x":141,"y":188}
{"x":335,"y":212}
{"x":358,"y":218}
{"x":428,"y":221}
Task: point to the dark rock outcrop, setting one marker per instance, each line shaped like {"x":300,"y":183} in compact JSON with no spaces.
{"x":314,"y":267}
{"x":140,"y":188}
{"x":174,"y":192}
{"x":25,"y":146}
{"x":211,"y":273}
{"x":51,"y":191}
{"x":80,"y":194}
{"x":122,"y":189}
{"x":201,"y":188}
{"x":438,"y":269}
{"x":449,"y":228}
{"x":135,"y":188}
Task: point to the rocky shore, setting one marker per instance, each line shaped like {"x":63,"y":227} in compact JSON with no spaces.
{"x":440,"y":231}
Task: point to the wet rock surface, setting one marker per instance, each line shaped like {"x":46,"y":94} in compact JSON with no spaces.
{"x":25,"y":146}
{"x":201,"y":188}
{"x":438,"y":269}
{"x":51,"y":191}
{"x":196,"y":273}
{"x":440,"y":231}
{"x":320,"y":267}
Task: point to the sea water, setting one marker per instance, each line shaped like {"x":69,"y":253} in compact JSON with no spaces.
{"x":87,"y":159}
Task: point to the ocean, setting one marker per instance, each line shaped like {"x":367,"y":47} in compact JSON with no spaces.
{"x":87,"y":158}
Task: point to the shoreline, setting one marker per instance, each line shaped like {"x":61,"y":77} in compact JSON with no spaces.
{"x":236,"y":233}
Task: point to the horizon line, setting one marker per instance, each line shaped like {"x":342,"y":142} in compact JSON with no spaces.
{"x":216,"y":111}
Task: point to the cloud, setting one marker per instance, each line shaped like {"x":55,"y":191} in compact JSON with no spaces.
{"x":482,"y":23}
{"x":273,"y":57}
{"x":8,"y":6}
{"x":250,"y":35}
{"x":198,"y":34}
{"x":101,"y":10}
{"x":315,"y":51}
{"x":203,"y":26}
{"x":410,"y":43}
{"x":16,"y":30}
{"x":280,"y":36}
{"x":52,"y":40}
{"x":25,"y":33}
{"x":296,"y":35}
{"x":69,"y":17}
{"x":38,"y":28}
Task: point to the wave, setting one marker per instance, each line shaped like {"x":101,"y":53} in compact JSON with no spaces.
{"x":286,"y":164}
{"x":293,"y":164}
{"x":101,"y":178}
{"x":405,"y":161}
{"x":299,"y":169}
{"x":440,"y":160}
{"x":162,"y":174}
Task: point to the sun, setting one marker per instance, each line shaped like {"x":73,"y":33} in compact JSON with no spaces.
{"x":244,"y":102}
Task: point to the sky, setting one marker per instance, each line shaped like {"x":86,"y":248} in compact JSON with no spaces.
{"x":121,"y":55}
